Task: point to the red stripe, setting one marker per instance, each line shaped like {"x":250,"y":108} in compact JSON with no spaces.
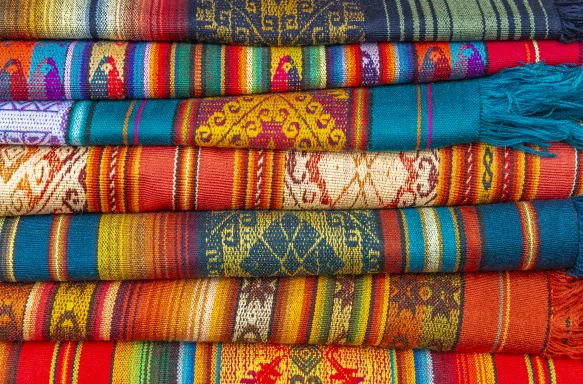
{"x":101,"y":356}
{"x":393,"y":245}
{"x":470,"y":229}
{"x":41,"y":353}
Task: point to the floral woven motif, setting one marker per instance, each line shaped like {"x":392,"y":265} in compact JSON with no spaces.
{"x":186,"y":363}
{"x":518,"y":312}
{"x":290,"y":22}
{"x":38,"y":180}
{"x":55,"y":70}
{"x":496,"y":237}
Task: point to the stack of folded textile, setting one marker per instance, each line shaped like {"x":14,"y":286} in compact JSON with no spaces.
{"x":302,"y":191}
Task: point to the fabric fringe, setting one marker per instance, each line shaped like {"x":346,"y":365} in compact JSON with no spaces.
{"x":566,"y":323}
{"x":571,"y":14}
{"x":530,"y":106}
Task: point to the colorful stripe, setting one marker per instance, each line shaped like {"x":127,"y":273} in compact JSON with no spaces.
{"x":186,"y":363}
{"x":38,"y":180}
{"x":496,"y":237}
{"x":444,"y":312}
{"x":47,"y":70}
{"x":291,"y":23}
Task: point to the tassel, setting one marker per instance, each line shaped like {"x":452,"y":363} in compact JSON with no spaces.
{"x":533,"y":105}
{"x":566,"y":324}
{"x":571,"y":14}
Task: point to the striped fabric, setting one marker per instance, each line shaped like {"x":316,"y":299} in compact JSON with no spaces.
{"x":186,"y":363}
{"x":291,"y":22}
{"x":37,"y":180}
{"x":47,"y":70}
{"x":389,"y":118}
{"x":496,"y":237}
{"x":514,"y":312}
{"x":520,"y":107}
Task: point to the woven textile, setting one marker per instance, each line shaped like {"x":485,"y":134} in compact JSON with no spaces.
{"x":186,"y":363}
{"x":291,"y":22}
{"x":496,"y":237}
{"x":48,"y":70}
{"x":515,"y":312}
{"x":519,"y":107}
{"x":37,"y":180}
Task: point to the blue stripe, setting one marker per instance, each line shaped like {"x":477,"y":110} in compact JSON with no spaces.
{"x":82,"y":247}
{"x":423,"y":366}
{"x":416,"y":240}
{"x":188,"y":362}
{"x":448,"y":240}
{"x":31,"y":261}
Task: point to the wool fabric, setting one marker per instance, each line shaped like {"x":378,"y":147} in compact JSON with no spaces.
{"x":80,"y":70}
{"x":495,"y":237}
{"x":514,"y":312}
{"x":291,"y":22}
{"x":519,"y":107}
{"x":186,"y":363}
{"x":39,"y":180}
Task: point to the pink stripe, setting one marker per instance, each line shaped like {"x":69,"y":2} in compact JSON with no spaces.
{"x":137,"y":123}
{"x":429,"y":116}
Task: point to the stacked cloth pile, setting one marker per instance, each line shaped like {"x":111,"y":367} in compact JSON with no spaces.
{"x":291,"y":191}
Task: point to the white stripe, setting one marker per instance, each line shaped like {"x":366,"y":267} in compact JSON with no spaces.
{"x":432,"y":241}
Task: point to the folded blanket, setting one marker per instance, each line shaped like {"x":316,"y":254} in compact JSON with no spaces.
{"x":494,"y":237}
{"x":292,"y":22}
{"x":514,"y":312}
{"x":519,"y":107}
{"x":36,"y":180}
{"x":47,"y":70}
{"x":185,"y":363}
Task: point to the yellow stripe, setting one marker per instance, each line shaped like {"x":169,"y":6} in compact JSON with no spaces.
{"x":539,"y":369}
{"x":124,"y":131}
{"x":552,"y":373}
{"x":363,"y":312}
{"x":318,"y":316}
{"x":506,"y":323}
{"x":10,"y":250}
{"x":173,"y":70}
{"x":186,"y":122}
{"x":65,"y":364}
{"x":406,"y":240}
{"x":76,"y":363}
{"x":237,"y":183}
{"x":458,"y":250}
{"x":358,"y":121}
{"x":59,"y":232}
{"x":52,"y":378}
{"x":295,"y":300}
{"x":528,"y":366}
{"x":530,"y":250}
{"x":419,"y":117}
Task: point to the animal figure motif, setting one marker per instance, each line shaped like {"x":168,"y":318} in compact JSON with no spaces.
{"x":286,"y":76}
{"x":469,"y":62}
{"x":436,"y":65}
{"x":106,"y":82}
{"x":45,"y":83}
{"x":13,"y":84}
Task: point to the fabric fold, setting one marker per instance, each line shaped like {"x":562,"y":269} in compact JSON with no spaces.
{"x":519,"y":107}
{"x":81,"y":70}
{"x":513,"y":312}
{"x":292,"y":22}
{"x":542,"y":235}
{"x":184,"y":363}
{"x":42,"y":180}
